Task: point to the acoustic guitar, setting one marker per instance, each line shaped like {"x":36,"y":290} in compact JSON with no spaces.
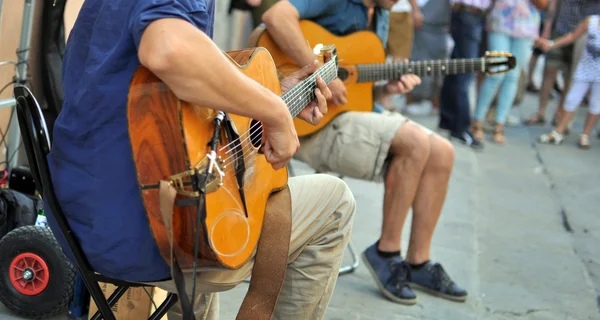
{"x":362,"y":62}
{"x":179,"y":142}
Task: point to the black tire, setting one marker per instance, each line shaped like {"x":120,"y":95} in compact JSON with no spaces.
{"x":55,"y":298}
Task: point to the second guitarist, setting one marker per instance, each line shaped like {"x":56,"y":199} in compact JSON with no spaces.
{"x":414,"y":162}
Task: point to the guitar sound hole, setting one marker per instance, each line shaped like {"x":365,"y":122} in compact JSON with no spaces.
{"x":342,"y":74}
{"x":256,"y":133}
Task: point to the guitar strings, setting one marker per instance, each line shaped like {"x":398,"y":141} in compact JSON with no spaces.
{"x":258,"y":126}
{"x":302,"y":86}
{"x":294,"y":107}
{"x":377,"y":69}
{"x":370,"y":68}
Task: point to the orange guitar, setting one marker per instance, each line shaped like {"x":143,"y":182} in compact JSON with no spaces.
{"x":362,"y":62}
{"x":182,"y":143}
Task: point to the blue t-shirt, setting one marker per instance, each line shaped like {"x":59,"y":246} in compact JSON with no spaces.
{"x":340,"y":17}
{"x":91,"y":160}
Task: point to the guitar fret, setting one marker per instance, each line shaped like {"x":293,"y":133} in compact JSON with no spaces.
{"x":301,"y":94}
{"x":395,"y":69}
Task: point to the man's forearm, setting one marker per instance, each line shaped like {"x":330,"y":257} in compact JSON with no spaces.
{"x":198,"y":72}
{"x":283,"y":24}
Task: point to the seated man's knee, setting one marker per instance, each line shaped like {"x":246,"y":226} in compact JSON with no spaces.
{"x":442,"y":154}
{"x":343,"y":196}
{"x":411,"y":142}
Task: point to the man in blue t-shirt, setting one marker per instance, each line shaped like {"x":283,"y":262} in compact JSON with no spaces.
{"x":92,"y":166}
{"x":414,"y":162}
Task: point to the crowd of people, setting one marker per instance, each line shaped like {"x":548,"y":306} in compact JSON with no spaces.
{"x":520,"y":27}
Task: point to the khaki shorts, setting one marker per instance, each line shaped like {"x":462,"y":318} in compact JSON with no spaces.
{"x":354,"y":144}
{"x":401,"y":33}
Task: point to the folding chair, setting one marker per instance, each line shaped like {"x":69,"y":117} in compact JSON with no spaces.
{"x":355,"y":261}
{"x":37,"y":146}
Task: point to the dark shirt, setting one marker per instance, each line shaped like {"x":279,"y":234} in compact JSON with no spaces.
{"x":568,"y":16}
{"x":91,"y":160}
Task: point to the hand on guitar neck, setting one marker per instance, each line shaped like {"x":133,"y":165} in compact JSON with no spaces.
{"x":316,"y":109}
{"x":277,"y":147}
{"x":283,"y":21}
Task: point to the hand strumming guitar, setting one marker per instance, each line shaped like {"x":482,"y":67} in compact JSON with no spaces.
{"x":280,"y":140}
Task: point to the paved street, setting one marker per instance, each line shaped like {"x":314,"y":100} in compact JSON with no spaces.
{"x":520,"y":230}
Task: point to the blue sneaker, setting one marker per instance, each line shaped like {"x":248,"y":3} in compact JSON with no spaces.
{"x":391,"y":276}
{"x":432,"y":278}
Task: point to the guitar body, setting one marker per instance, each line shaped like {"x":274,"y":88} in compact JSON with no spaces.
{"x":170,"y":136}
{"x":357,"y":48}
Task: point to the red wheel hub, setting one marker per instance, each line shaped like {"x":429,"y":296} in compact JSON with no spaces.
{"x":29,"y":274}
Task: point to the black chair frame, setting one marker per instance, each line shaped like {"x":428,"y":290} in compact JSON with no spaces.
{"x":36,"y":141}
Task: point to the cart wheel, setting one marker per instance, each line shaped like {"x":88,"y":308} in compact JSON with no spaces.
{"x":36,"y":278}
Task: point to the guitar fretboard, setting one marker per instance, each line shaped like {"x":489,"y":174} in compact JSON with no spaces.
{"x":394,"y":70}
{"x":304,"y":92}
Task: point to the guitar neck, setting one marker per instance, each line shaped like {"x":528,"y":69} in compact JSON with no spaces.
{"x":394,"y":70}
{"x":303,"y":93}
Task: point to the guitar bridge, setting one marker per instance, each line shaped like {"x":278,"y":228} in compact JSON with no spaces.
{"x":213,"y":168}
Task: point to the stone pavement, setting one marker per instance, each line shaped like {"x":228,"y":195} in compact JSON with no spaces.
{"x":520,"y":230}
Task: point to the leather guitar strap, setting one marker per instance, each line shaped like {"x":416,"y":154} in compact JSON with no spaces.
{"x":270,"y":262}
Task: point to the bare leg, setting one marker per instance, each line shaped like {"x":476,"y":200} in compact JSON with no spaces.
{"x":564,"y":121}
{"x":409,"y":151}
{"x":546,"y":90}
{"x":430,"y":198}
{"x":590,"y":123}
{"x":532,"y":64}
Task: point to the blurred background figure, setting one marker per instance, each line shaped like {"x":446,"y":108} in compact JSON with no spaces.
{"x":430,"y":42}
{"x":512,"y":26}
{"x":563,"y":16}
{"x":397,"y":35}
{"x":586,"y":79}
{"x":466,"y":27}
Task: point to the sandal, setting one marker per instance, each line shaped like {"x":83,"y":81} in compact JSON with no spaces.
{"x":477,"y":130}
{"x":584,"y":141}
{"x":552,"y":138}
{"x":499,"y":134}
{"x":538,"y":119}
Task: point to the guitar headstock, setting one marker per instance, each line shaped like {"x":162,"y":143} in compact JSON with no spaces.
{"x":328,"y":52}
{"x":499,"y":62}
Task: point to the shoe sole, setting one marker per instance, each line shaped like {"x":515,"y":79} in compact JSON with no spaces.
{"x":386,"y":293}
{"x":437,"y":293}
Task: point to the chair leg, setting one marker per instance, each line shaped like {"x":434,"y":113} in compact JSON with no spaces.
{"x":105,"y":305}
{"x":164,"y":307}
{"x":351,"y":267}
